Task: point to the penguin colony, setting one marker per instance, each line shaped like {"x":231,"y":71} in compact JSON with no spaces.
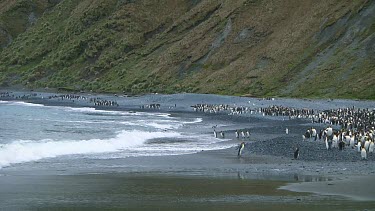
{"x":355,"y":130}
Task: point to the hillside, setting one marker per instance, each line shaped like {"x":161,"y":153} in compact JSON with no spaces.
{"x":239,"y":47}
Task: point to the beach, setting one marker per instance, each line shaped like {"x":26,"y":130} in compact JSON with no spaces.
{"x":265,"y":177}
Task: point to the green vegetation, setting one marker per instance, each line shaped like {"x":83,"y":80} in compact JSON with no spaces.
{"x":179,"y":46}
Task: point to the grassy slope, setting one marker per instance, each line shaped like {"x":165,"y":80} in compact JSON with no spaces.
{"x":253,"y":47}
{"x":16,"y":16}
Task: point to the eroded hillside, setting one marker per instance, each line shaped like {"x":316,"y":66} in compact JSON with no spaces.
{"x":242,"y":47}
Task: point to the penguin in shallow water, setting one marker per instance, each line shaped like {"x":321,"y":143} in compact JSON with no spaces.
{"x":215,"y":134}
{"x":242,"y":146}
{"x":296,"y":153}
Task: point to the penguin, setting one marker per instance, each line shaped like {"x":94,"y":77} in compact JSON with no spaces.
{"x":247,"y":134}
{"x":371,"y":147}
{"x":351,"y":142}
{"x":367,"y":145}
{"x":242,"y":146}
{"x":215,"y":134}
{"x":326,"y":141}
{"x":359,"y":145}
{"x":242,"y":134}
{"x":296,"y":153}
{"x":335,"y":141}
{"x":222,"y":134}
{"x":286,"y":131}
{"x":237,"y":134}
{"x":313,"y":133}
{"x":341,"y":145}
{"x":363,"y":154}
{"x":329,"y":131}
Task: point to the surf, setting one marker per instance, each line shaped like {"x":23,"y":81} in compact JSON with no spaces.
{"x":22,"y":151}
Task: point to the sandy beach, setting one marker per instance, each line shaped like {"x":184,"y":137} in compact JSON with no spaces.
{"x":265,"y":177}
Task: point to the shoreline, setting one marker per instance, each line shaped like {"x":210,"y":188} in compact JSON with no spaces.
{"x":358,"y":188}
{"x":256,"y":163}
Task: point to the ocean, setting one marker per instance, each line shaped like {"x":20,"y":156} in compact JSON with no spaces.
{"x":68,"y":135}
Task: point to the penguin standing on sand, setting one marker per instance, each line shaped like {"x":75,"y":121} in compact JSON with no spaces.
{"x":359,"y":146}
{"x":242,"y":146}
{"x":363,"y":154}
{"x":296,"y":153}
{"x":371,"y":148}
{"x":247,"y":134}
{"x":243,"y":134}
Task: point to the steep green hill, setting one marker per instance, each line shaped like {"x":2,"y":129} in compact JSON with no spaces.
{"x":288,"y":48}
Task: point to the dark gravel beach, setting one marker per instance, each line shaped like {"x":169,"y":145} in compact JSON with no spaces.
{"x":268,"y":156}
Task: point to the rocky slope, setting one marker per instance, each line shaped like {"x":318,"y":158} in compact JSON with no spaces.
{"x":243,"y":47}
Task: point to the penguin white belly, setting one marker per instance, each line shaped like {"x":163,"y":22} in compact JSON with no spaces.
{"x":363,"y":154}
{"x":371,"y":148}
{"x":367,"y":144}
{"x":351,"y":142}
{"x":334,"y":142}
{"x":359,"y":146}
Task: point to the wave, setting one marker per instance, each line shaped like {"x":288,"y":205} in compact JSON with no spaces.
{"x":196,"y":120}
{"x":21,"y":103}
{"x":88,"y":109}
{"x":128,"y":113}
{"x":25,"y":151}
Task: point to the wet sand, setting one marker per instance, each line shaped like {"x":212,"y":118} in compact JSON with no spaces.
{"x":359,"y":188}
{"x":209,"y":180}
{"x":148,"y":191}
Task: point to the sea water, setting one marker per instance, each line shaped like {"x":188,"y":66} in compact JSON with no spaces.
{"x":33,"y":132}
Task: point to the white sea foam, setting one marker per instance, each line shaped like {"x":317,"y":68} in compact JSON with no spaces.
{"x":162,"y":126}
{"x":21,"y":103}
{"x":196,"y":120}
{"x":25,"y":151}
{"x":126,"y":113}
